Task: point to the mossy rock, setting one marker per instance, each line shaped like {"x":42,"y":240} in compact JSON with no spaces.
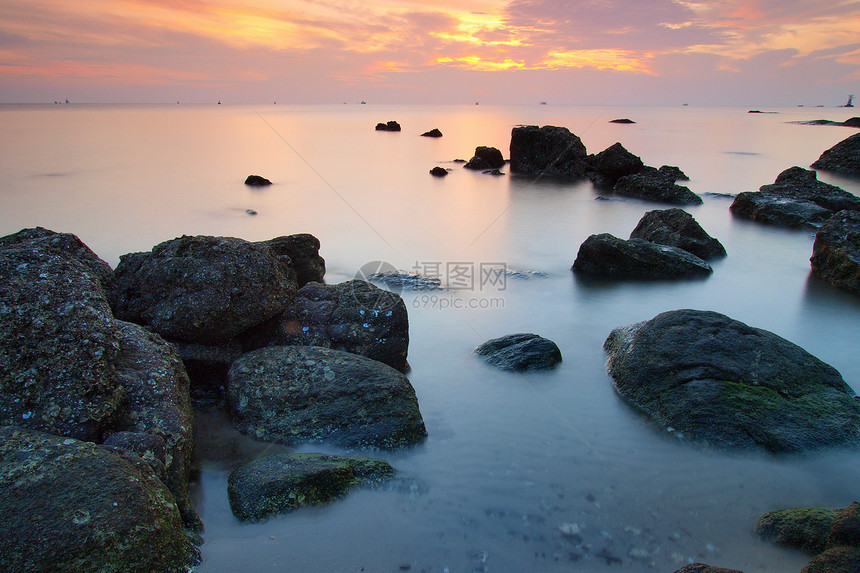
{"x":286,"y":482}
{"x":805,"y":528}
{"x":846,"y":527}
{"x":841,"y":559}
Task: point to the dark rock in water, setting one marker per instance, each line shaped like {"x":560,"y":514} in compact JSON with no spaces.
{"x":842,"y":559}
{"x":842,"y":158}
{"x":622,"y":120}
{"x":432,"y":133}
{"x":652,"y":185}
{"x":401,"y":280}
{"x":613,"y":163}
{"x":302,"y":252}
{"x":388,"y":126}
{"x":771,"y":209}
{"x":520,"y":352}
{"x":438,"y":171}
{"x":257,"y":181}
{"x":495,"y":172}
{"x":673,"y":172}
{"x":677,"y":228}
{"x":69,"y":506}
{"x":846,"y":527}
{"x":607,"y":256}
{"x":285,"y":482}
{"x":65,"y":244}
{"x":852,"y":122}
{"x":548,"y":151}
{"x":58,"y":346}
{"x":803,"y":184}
{"x":250,"y":212}
{"x":354,"y":316}
{"x":836,"y":251}
{"x":704,"y":568}
{"x":157,"y":402}
{"x":202,"y":289}
{"x":805,"y":528}
{"x":718,"y":381}
{"x":296,"y":393}
{"x":486,"y":158}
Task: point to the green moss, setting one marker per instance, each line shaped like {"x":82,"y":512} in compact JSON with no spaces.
{"x":805,"y":528}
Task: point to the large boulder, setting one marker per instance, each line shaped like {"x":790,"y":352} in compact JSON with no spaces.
{"x":486,"y":158}
{"x":353,"y":316}
{"x":805,"y":528}
{"x":836,"y":251}
{"x":716,"y":380}
{"x":547,"y":151}
{"x":651,"y":184}
{"x":842,"y":158}
{"x":58,"y":345}
{"x":771,"y":209}
{"x":835,"y":560}
{"x":157,"y":402}
{"x":803,"y":185}
{"x":202,"y":289}
{"x":607,"y":256}
{"x":302,"y":252}
{"x":520,"y":352}
{"x":613,"y":163}
{"x":68,"y":505}
{"x":285,"y":482}
{"x":293,"y":393}
{"x":677,"y":228}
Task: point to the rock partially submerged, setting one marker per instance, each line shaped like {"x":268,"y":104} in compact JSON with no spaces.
{"x":607,"y":256}
{"x":304,"y":393}
{"x":438,"y":171}
{"x":677,"y":228}
{"x":547,"y":151}
{"x":257,"y":181}
{"x":716,"y":380}
{"x":520,"y":352}
{"x":653,"y":185}
{"x":704,"y":568}
{"x":432,"y":133}
{"x":621,"y":120}
{"x":68,"y":505}
{"x":613,"y":163}
{"x":836,"y":251}
{"x":842,"y":158}
{"x":388,"y":126}
{"x":485,"y":158}
{"x":286,"y":482}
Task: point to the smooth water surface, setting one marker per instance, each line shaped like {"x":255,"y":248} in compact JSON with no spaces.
{"x":532,"y":472}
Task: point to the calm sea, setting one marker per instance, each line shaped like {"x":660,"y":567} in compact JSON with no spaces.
{"x":536,"y":472}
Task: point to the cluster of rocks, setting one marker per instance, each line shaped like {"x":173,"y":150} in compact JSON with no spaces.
{"x":556,"y":152}
{"x":666,"y":244}
{"x":388,"y":126}
{"x":96,"y":400}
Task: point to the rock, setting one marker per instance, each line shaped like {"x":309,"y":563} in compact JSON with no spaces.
{"x":388,"y":126}
{"x":845,"y":529}
{"x":68,"y":505}
{"x":486,"y":158}
{"x":805,"y":528}
{"x":438,"y":171}
{"x":285,"y":482}
{"x":607,"y":256}
{"x":677,"y":228}
{"x":58,"y":346}
{"x":148,"y":447}
{"x":290,"y":393}
{"x":842,"y":158}
{"x":353,"y":316}
{"x":257,"y":181}
{"x":202,"y":289}
{"x":207,"y":367}
{"x":852,"y":122}
{"x":718,"y":381}
{"x":613,"y":163}
{"x":703,"y":568}
{"x":771,"y":209}
{"x":835,"y":560}
{"x":250,"y":212}
{"x":673,"y":172}
{"x":494,"y":172}
{"x":836,"y":251}
{"x":547,"y":150}
{"x":803,"y":184}
{"x":157,"y":402}
{"x":652,"y":185}
{"x":622,"y":120}
{"x":65,"y":244}
{"x":432,"y":133}
{"x":520,"y":352}
{"x":301,"y":252}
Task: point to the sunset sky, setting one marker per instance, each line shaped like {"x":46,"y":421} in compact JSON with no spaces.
{"x":736,"y":52}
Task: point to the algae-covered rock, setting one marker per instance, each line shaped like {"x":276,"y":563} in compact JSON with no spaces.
{"x":846,"y":527}
{"x":58,"y":345}
{"x":836,"y":251}
{"x":704,"y":568}
{"x":297,"y":393}
{"x":286,"y":482}
{"x":841,"y":559}
{"x":716,"y":380}
{"x":520,"y":352}
{"x":805,"y":528}
{"x":70,"y":506}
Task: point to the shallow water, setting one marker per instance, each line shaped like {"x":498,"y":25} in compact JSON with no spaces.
{"x":529,"y":472}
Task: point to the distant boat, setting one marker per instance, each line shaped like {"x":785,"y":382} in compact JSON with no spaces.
{"x":219,"y":102}
{"x":543,"y":103}
{"x":363,"y":102}
{"x":850,"y":101}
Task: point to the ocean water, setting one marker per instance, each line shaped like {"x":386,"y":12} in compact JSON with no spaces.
{"x":529,"y":472}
